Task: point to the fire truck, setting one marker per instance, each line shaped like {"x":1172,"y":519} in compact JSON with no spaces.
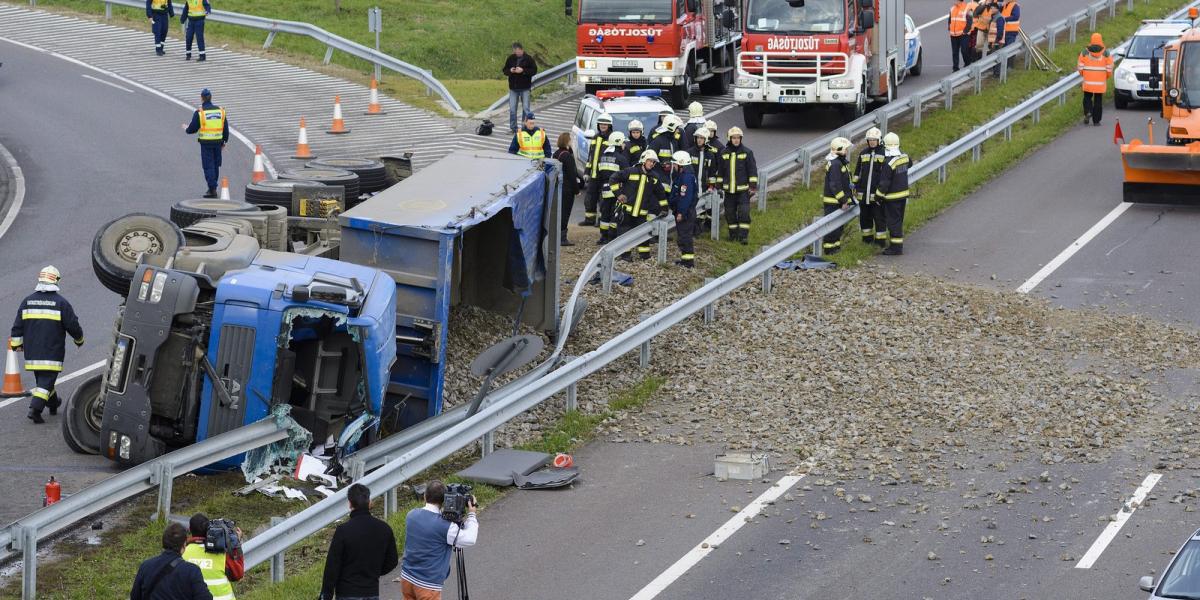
{"x":664,"y":44}
{"x":800,"y":52}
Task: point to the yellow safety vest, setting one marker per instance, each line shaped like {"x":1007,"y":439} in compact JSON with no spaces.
{"x":532,"y":145}
{"x":212,"y":125}
{"x":158,"y":4}
{"x":195,"y":9}
{"x":212,"y":566}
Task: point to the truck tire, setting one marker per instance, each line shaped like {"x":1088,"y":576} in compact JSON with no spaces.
{"x":186,"y":212}
{"x":853,"y":112}
{"x":680,"y":94}
{"x":277,"y":230}
{"x":83,"y":415}
{"x":327,"y":176}
{"x":372,"y":174}
{"x":118,"y":243}
{"x":752,"y":116}
{"x":274,"y":192}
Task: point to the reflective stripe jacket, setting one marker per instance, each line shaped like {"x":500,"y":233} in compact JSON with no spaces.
{"x":960,"y":19}
{"x":634,"y":147}
{"x":613,"y":161}
{"x":595,"y":148}
{"x":1012,"y":17}
{"x":664,"y":146}
{"x":212,"y":567}
{"x":644,"y":191}
{"x":195,"y":9}
{"x":704,"y":163}
{"x":893,"y":179}
{"x":159,"y":6}
{"x":838,"y":187}
{"x":1096,"y":66}
{"x":527,"y":136}
{"x":736,"y":170}
{"x":684,"y":190}
{"x":866,"y":172}
{"x":195,"y":124}
{"x":41,"y":324}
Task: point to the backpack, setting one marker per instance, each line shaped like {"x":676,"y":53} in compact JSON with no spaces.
{"x":485,"y":128}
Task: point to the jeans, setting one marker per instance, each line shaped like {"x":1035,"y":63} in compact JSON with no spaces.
{"x":515,"y":98}
{"x":210,"y":161}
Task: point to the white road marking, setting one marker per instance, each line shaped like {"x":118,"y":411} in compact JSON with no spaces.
{"x":19,"y":193}
{"x":64,"y":378}
{"x":98,"y":80}
{"x":695,"y":555}
{"x":1114,"y":527}
{"x":934,"y":22}
{"x":721,"y":110}
{"x":1075,"y":246}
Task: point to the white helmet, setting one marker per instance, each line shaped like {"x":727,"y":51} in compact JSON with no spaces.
{"x":874,"y":134}
{"x":711,"y":126}
{"x":839,"y":145}
{"x":616,"y":139}
{"x":635,"y":124}
{"x":604,"y":118}
{"x":701,"y":132}
{"x":665,"y":111}
{"x":891,"y":140}
{"x":695,"y":109}
{"x":672,"y":122}
{"x":681,"y":158}
{"x":49,"y":275}
{"x":648,"y":155}
{"x":734,"y":131}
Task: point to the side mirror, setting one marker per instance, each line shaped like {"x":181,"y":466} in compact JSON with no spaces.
{"x":727,"y":19}
{"x":590,"y":134}
{"x":866,"y":4}
{"x":866,"y":20}
{"x":1155,"y":73}
{"x":1146,"y":584}
{"x":1173,"y":95}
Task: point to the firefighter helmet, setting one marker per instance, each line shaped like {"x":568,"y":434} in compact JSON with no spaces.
{"x":681,"y":158}
{"x":635,"y":125}
{"x":734,"y":131}
{"x":648,"y":155}
{"x":891,"y":140}
{"x":839,"y":145}
{"x":604,"y":119}
{"x":616,"y":139}
{"x":711,"y":126}
{"x":874,"y":134}
{"x":50,"y":275}
{"x":672,"y":123}
{"x":701,"y":132}
{"x":695,"y":109}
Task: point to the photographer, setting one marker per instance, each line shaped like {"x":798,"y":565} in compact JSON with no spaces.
{"x":216,"y":547}
{"x":431,"y":537}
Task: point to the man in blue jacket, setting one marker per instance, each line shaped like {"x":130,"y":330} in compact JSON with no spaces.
{"x":167,"y":576}
{"x":159,"y":11}
{"x":684,"y":191}
{"x":428,"y":541}
{"x":211,"y":126}
{"x":194,"y":13}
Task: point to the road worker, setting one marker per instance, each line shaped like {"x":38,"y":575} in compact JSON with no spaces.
{"x":1096,"y":67}
{"x":1011,"y":12}
{"x":839,"y":190}
{"x":531,"y":141}
{"x":960,"y":28}
{"x":210,"y":123}
{"x":636,"y":141}
{"x":694,"y":122}
{"x":194,"y":14}
{"x":613,"y":161}
{"x":684,"y":193}
{"x":591,"y":167}
{"x":866,"y":180}
{"x":640,"y":195}
{"x":737,"y":176}
{"x":892,"y":192}
{"x":713,"y":138}
{"x":159,"y":12}
{"x":43,"y":321}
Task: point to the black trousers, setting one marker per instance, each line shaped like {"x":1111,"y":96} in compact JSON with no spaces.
{"x":568,"y":204}
{"x":629,"y":222}
{"x":608,"y":216}
{"x":737,"y":214}
{"x":591,"y":200}
{"x":685,"y":232}
{"x":159,"y":28}
{"x":43,"y":393}
{"x":1093,"y":104}
{"x":894,"y":213}
{"x":961,"y":46}
{"x":832,"y":241}
{"x":867,"y":223}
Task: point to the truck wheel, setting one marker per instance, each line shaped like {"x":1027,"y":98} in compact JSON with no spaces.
{"x":855,"y":111}
{"x":682,"y":92}
{"x":752,"y":116}
{"x":327,"y":176}
{"x":916,"y":70}
{"x":84,"y":415}
{"x":117,"y":244}
{"x":1121,"y":102}
{"x":186,"y":212}
{"x":372,"y":174}
{"x":274,"y":192}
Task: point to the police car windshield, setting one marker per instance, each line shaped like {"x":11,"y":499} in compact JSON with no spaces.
{"x":1182,"y":580}
{"x":777,"y":16}
{"x":649,"y":122}
{"x":625,"y":11}
{"x":1142,"y":45}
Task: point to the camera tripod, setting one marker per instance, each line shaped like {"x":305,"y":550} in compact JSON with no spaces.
{"x":461,"y":566}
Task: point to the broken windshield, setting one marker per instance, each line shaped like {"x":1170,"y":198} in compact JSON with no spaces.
{"x":777,"y":16}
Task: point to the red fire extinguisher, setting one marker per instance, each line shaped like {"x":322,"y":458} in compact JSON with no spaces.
{"x":53,"y":492}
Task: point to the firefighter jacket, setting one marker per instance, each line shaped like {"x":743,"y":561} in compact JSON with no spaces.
{"x":839,"y":188}
{"x":1096,"y":66}
{"x":704,"y":161}
{"x":613,"y":161}
{"x":689,"y":129}
{"x":665,"y":146}
{"x":595,"y":148}
{"x":634,"y":147}
{"x":893,"y":178}
{"x":41,"y":324}
{"x":736,"y":170}
{"x":644,"y":193}
{"x":866,"y":172}
{"x":684,"y":192}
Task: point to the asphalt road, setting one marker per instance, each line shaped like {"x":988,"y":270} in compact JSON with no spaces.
{"x":92,"y":148}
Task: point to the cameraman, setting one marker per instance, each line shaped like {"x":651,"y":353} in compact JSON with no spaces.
{"x":219,"y":568}
{"x":428,"y":542}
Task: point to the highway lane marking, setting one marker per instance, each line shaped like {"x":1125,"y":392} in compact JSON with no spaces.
{"x":63,"y":379}
{"x":934,"y":22}
{"x":109,"y":83}
{"x":1075,"y":246}
{"x":1114,"y":527}
{"x":696,"y":554}
{"x":19,"y":190}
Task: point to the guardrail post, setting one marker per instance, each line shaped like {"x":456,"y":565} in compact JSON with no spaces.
{"x":28,"y":560}
{"x":941,"y":173}
{"x":1028,"y":56}
{"x":817,"y":249}
{"x":663,"y":229}
{"x":977,"y":152}
{"x":948,"y":93}
{"x":390,"y":502}
{"x":1008,"y":133}
{"x":1062,"y":99}
{"x":1129,"y":5}
{"x":107,"y":10}
{"x":606,"y":271}
{"x":1052,"y":37}
{"x":644,"y":355}
{"x":710,"y":309}
{"x":1112,"y":8}
{"x":572,"y":397}
{"x":1037,"y":115}
{"x":487,"y":443}
{"x":270,"y":39}
{"x":916,"y":119}
{"x":277,"y":560}
{"x":767,"y":275}
{"x":977,"y":75}
{"x":805,"y":166}
{"x":1003,"y":70}
{"x":164,"y":473}
{"x":763,"y":181}
{"x":714,"y":213}
{"x":1074,"y":32}
{"x":328,"y":54}
{"x":1091,"y":13}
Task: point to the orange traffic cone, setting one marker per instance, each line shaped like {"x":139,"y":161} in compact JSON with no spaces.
{"x":374,"y":108}
{"x":339,"y":125}
{"x":224,"y":188}
{"x":302,"y":150}
{"x":13,"y":388}
{"x":260,"y":171}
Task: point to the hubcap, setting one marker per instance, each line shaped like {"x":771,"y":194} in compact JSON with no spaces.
{"x":93,"y":413}
{"x":138,"y":242}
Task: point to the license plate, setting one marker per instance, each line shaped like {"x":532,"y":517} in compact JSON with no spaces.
{"x":624,"y":63}
{"x":792,"y":99}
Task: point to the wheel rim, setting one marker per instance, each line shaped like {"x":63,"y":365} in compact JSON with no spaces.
{"x":139,"y":241}
{"x":93,"y":413}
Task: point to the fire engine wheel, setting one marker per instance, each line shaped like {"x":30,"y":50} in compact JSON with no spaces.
{"x":853,"y":112}
{"x":752,"y":116}
{"x":83,"y":416}
{"x":682,"y":92}
{"x":119,"y":242}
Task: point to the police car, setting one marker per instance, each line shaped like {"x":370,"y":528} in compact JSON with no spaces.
{"x":1132,"y":77}
{"x":913,"y":52}
{"x":623,"y":106}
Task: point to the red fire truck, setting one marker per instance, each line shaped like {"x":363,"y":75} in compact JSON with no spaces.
{"x":800,"y":52}
{"x":664,"y":44}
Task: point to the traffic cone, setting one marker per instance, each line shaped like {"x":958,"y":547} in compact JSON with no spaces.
{"x":302,"y":150}
{"x":374,"y":108}
{"x":224,"y":188}
{"x":260,"y":171}
{"x":1118,"y":135}
{"x":339,"y":125}
{"x":12,"y":376}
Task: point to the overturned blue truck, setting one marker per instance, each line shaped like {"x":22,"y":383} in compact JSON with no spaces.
{"x":349,"y":326}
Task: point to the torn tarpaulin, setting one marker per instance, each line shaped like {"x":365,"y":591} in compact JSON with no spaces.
{"x":260,"y":461}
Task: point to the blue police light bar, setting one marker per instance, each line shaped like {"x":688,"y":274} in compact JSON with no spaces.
{"x":609,"y":94}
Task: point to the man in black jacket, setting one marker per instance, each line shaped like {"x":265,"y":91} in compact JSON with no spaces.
{"x":363,"y":550}
{"x":167,"y":576}
{"x":42,"y":324}
{"x":520,"y":69}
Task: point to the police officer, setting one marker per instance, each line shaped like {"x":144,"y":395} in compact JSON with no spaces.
{"x":684,"y":192}
{"x":591,"y":167}
{"x":866,"y":179}
{"x":613,"y":161}
{"x":159,"y":11}
{"x":737,"y":176}
{"x":211,"y":126}
{"x":893,"y":192}
{"x":42,"y":322}
{"x":641,"y":194}
{"x":839,"y":190}
{"x":694,"y":122}
{"x":636,"y":141}
{"x":530,"y":141}
{"x":194,"y":12}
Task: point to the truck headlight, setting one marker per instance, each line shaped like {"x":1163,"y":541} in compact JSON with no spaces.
{"x":745,"y":82}
{"x":584,"y":79}
{"x":841,"y":84}
{"x":160,"y":281}
{"x":587,"y":64}
{"x":663,"y":65}
{"x":123,"y":452}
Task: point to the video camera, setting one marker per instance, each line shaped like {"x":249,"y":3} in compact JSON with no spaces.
{"x":222,"y":537}
{"x":454,"y":505}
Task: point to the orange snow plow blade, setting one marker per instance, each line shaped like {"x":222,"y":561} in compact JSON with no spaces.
{"x":1161,"y":174}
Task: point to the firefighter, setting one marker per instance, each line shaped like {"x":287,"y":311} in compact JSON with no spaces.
{"x":636,"y":141}
{"x":1096,"y":67}
{"x":159,"y":11}
{"x":591,"y":167}
{"x":211,"y":126}
{"x":662,"y":119}
{"x":667,"y":144}
{"x":42,"y":322}
{"x":711,"y":126}
{"x":694,"y":122}
{"x":893,"y":192}
{"x":960,"y":27}
{"x":194,"y":12}
{"x":737,"y":176}
{"x":613,"y":161}
{"x":866,"y":179}
{"x":839,"y":190}
{"x":704,"y":159}
{"x":684,"y":192}
{"x":531,"y":141}
{"x":641,"y":195}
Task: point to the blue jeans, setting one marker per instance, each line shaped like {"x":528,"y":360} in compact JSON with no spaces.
{"x":195,"y":28}
{"x":210,"y":160}
{"x":515,"y":98}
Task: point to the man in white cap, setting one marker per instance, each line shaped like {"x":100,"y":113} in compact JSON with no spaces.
{"x":42,"y":322}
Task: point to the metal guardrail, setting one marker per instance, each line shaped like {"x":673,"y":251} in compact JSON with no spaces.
{"x":332,"y":42}
{"x":565,"y":69}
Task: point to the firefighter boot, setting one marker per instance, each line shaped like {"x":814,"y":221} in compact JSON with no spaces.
{"x":686,"y":263}
{"x":36,"y":417}
{"x":894,"y":250}
{"x":54,"y":403}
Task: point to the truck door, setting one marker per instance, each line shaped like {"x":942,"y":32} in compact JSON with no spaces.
{"x":235,"y":357}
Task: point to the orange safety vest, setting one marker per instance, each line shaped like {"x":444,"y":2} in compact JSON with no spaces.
{"x":958,"y":19}
{"x":1096,"y":70}
{"x":1010,"y":25}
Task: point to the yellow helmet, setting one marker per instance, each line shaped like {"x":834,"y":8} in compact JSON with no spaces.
{"x":874,"y":134}
{"x":734,"y":131}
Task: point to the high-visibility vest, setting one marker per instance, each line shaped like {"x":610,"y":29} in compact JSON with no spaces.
{"x":532,"y":145}
{"x":195,"y":9}
{"x":983,"y":20}
{"x":158,"y":4}
{"x":958,"y":19}
{"x":212,"y":125}
{"x":1096,"y":69}
{"x":212,"y":566}
{"x":1011,"y":25}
